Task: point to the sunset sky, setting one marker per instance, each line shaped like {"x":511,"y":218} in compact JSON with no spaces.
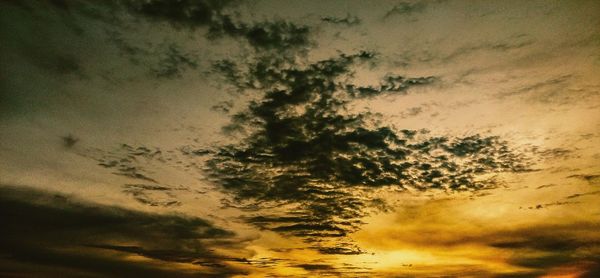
{"x":232,"y":138}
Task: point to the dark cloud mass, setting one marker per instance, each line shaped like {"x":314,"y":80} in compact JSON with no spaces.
{"x":278,"y":34}
{"x":185,"y":13}
{"x":305,"y":147}
{"x":550,"y":246}
{"x":61,"y":232}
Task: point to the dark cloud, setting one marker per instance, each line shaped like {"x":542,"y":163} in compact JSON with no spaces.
{"x":125,"y":161}
{"x":510,"y":43}
{"x":546,"y":185}
{"x":216,"y":18}
{"x":553,"y":153}
{"x":577,"y":195}
{"x":126,"y":48}
{"x":544,"y":249}
{"x":348,"y":20}
{"x":60,"y":33}
{"x":411,"y":112}
{"x":174,"y":62}
{"x":500,"y":46}
{"x":307,"y":164}
{"x":315,"y":267}
{"x":140,"y":163}
{"x":190,"y":151}
{"x":304,"y":147}
{"x":164,"y":60}
{"x":186,"y":13}
{"x":69,"y":141}
{"x":61,"y":64}
{"x":391,"y":83}
{"x":544,"y":91}
{"x":329,"y":270}
{"x":134,"y":173}
{"x":340,"y":249}
{"x":277,"y":34}
{"x":152,"y":195}
{"x":224,"y":106}
{"x":406,"y":8}
{"x":590,"y":178}
{"x":547,"y":205}
{"x":48,"y":229}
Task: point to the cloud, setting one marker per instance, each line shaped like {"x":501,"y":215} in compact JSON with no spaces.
{"x":278,"y":34}
{"x":511,"y":43}
{"x":125,"y":161}
{"x":461,"y":54}
{"x":44,"y":228}
{"x":348,"y":20}
{"x":544,"y":91}
{"x":548,"y":247}
{"x":69,"y":141}
{"x":306,"y":149}
{"x":553,"y":153}
{"x":443,"y":229}
{"x":174,"y":62}
{"x":406,"y":8}
{"x":192,"y":13}
{"x":590,"y":178}
{"x":224,"y":106}
{"x":390,"y":83}
{"x":152,"y":195}
{"x":546,"y":185}
{"x":546,"y":205}
{"x":340,"y":249}
{"x":312,"y":267}
{"x":141,"y":164}
{"x":411,"y":112}
{"x":582,"y":194}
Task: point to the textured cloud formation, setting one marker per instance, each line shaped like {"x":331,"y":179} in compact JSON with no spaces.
{"x":307,"y":149}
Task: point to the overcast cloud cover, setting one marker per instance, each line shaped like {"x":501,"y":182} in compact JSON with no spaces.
{"x":299,"y":138}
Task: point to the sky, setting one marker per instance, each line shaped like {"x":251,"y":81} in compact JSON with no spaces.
{"x":236,"y":138}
